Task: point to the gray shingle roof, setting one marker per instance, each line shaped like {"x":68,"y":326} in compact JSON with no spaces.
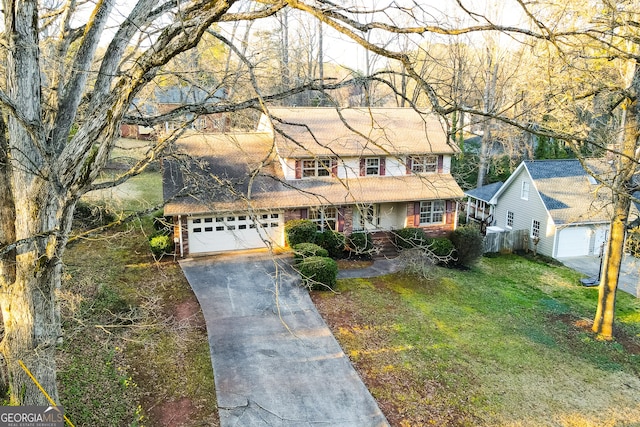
{"x":486,"y":192}
{"x":568,"y":192}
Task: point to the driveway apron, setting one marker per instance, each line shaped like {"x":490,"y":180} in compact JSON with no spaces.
{"x":275,"y":361}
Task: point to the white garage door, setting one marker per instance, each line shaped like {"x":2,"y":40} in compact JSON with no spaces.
{"x":573,"y":241}
{"x":234,"y":232}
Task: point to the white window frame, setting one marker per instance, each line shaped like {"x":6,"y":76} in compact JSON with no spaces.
{"x":312,"y":168}
{"x":369,"y":216}
{"x":372,"y":166}
{"x":325,"y":217}
{"x":424,"y":164}
{"x":535,"y":228}
{"x":510,"y":218}
{"x":524,"y":190}
{"x":432,"y":212}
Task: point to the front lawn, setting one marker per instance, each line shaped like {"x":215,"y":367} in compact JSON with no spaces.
{"x":507,"y":343}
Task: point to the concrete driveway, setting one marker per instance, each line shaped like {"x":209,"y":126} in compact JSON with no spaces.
{"x":629,"y":280}
{"x":275,"y":361}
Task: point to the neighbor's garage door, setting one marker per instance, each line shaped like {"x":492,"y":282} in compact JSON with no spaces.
{"x":234,"y":232}
{"x":573,"y":241}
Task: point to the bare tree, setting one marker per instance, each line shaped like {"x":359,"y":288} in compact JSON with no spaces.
{"x":63,"y":97}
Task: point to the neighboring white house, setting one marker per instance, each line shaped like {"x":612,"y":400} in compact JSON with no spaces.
{"x":371,"y":170}
{"x":566,"y":210}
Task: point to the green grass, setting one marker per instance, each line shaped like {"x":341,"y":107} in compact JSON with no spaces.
{"x":130,"y":356}
{"x":504,"y":344}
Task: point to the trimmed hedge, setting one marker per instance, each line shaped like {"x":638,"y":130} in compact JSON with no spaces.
{"x":469,"y":244}
{"x":333,"y":241}
{"x":306,"y":250}
{"x":441,"y":247}
{"x":300,"y":231}
{"x":318,"y":273}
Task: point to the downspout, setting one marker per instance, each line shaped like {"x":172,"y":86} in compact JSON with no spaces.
{"x":180,"y":236}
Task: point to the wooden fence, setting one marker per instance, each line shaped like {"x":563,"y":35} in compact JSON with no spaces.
{"x":506,"y":241}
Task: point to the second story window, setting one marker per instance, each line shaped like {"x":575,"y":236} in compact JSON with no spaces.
{"x":524,"y":191}
{"x":316,"y":167}
{"x":422,"y":164}
{"x":372,"y":166}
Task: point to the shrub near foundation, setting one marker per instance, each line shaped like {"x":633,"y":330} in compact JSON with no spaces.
{"x":333,"y":241}
{"x":469,"y":244}
{"x":408,"y":238}
{"x":160,"y":244}
{"x":360,"y":244}
{"x":300,"y":231}
{"x":306,"y":250}
{"x":318,"y":273}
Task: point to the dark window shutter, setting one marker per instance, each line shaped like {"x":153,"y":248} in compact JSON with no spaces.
{"x":341,"y":218}
{"x":304,"y":213}
{"x":409,"y":164}
{"x":440,"y":163}
{"x":416,"y":214}
{"x":449,"y":207}
{"x":334,"y":167}
{"x":363,"y":171}
{"x":298,"y":169}
{"x":383,"y":165}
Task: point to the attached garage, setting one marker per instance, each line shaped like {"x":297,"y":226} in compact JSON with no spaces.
{"x":581,"y":240}
{"x":233,"y":232}
{"x":573,"y":241}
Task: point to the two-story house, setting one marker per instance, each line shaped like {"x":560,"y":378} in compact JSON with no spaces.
{"x":373,"y":170}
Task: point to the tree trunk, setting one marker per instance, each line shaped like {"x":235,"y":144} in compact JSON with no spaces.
{"x":30,"y":314}
{"x":622,"y":186}
{"x":491,"y":75}
{"x":605,"y":313}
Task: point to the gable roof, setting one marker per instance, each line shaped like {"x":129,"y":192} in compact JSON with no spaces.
{"x":567,"y":191}
{"x":486,"y":192}
{"x":305,"y":132}
{"x":239,"y":172}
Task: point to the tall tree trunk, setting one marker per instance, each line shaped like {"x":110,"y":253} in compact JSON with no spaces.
{"x":489,"y":100}
{"x":32,"y":271}
{"x":623,"y":188}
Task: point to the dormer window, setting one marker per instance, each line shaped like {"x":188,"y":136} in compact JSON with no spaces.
{"x":316,"y":167}
{"x":422,"y":164}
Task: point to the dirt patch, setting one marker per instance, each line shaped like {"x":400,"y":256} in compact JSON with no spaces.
{"x":189,"y":311}
{"x":173,"y":413}
{"x":629,"y":342}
